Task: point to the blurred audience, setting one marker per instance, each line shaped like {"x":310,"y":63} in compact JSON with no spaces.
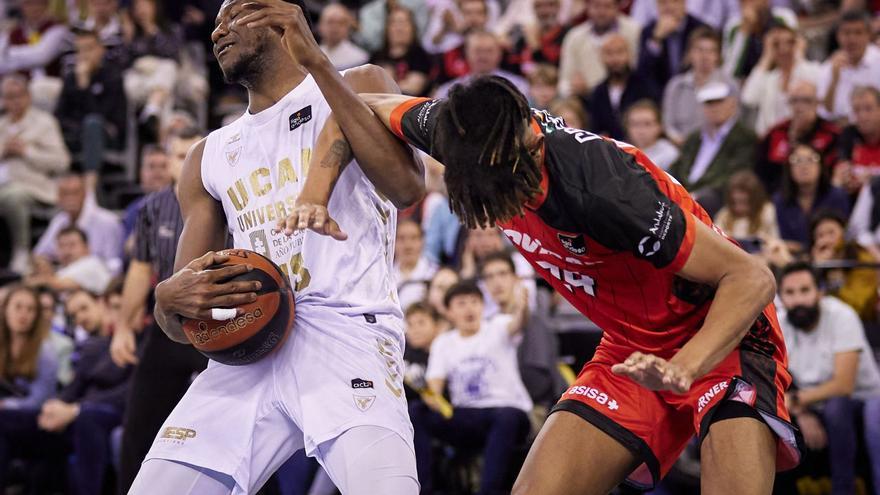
{"x":452,"y":20}
{"x":373,"y":17}
{"x":715,"y":13}
{"x":413,"y":271}
{"x":748,"y":215}
{"x":744,"y":35}
{"x":856,"y":63}
{"x":663,"y":44}
{"x":35,"y":43}
{"x":335,"y":27}
{"x":443,"y":280}
{"x":483,"y":54}
{"x":859,"y":143}
{"x":543,"y":90}
{"x":572,"y":112}
{"x":155,"y":174}
{"x":644,"y":130}
{"x":402,"y":54}
{"x":77,"y":267}
{"x":541,"y":42}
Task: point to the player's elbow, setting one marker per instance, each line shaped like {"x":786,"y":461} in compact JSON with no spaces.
{"x":762,"y":280}
{"x":407,"y":196}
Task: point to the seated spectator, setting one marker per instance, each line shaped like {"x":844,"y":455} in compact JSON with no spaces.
{"x":715,"y":13}
{"x":422,"y":325}
{"x":835,"y":375}
{"x":781,"y":64}
{"x":865,"y":219}
{"x":155,"y":174}
{"x":102,"y":227}
{"x":859,"y":144}
{"x":747,"y":216}
{"x":856,"y":63}
{"x":543,"y":81}
{"x":805,"y":126}
{"x":373,"y":16}
{"x":80,"y":419}
{"x":613,"y":96}
{"x":663,"y":44}
{"x":723,"y":146}
{"x":452,"y":20}
{"x":854,"y":286}
{"x":806,"y":189}
{"x":681,"y":110}
{"x":744,"y":35}
{"x":483,"y":54}
{"x":540,"y":42}
{"x":572,"y":112}
{"x":334,"y":28}
{"x":644,"y":131}
{"x":443,"y":280}
{"x":34,"y":44}
{"x":78,"y":269}
{"x":28,"y":360}
{"x":31,"y":150}
{"x":105,"y":20}
{"x":91,"y":108}
{"x":53,"y":316}
{"x":579,"y":67}
{"x":412,"y":269}
{"x":402,"y":54}
{"x":477,"y":361}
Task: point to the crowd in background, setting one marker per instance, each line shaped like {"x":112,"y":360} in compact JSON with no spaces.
{"x":767,"y":111}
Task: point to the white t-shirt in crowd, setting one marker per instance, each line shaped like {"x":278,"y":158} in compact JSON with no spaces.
{"x":89,"y":272}
{"x":811,"y":354}
{"x":481,"y":370}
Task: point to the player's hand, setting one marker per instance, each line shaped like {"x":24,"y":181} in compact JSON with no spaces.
{"x":289,"y":21}
{"x":654,"y":373}
{"x":122,"y":347}
{"x":195,"y":290}
{"x":312,"y":216}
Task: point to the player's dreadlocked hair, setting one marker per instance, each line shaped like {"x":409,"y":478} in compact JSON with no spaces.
{"x":479,"y":135}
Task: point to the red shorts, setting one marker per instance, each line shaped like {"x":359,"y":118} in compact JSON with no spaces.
{"x":656,"y":426}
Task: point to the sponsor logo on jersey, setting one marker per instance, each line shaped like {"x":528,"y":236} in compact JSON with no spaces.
{"x":361,"y":383}
{"x":178,"y":433}
{"x":574,"y":243}
{"x":300,"y":117}
{"x":716,"y":390}
{"x":594,"y":394}
{"x":233,"y":149}
{"x":364,"y":402}
{"x":648,"y":246}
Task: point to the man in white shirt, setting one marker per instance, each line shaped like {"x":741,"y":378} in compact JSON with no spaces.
{"x":856,"y":63}
{"x":335,"y":27}
{"x":836,"y":378}
{"x":477,"y":361}
{"x":78,"y":268}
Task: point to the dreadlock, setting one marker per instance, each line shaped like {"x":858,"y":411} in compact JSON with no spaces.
{"x":479,"y":136}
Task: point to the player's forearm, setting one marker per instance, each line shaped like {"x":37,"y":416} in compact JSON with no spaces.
{"x":740,"y":297}
{"x":134,"y":292}
{"x":332,"y":154}
{"x":387,"y":162}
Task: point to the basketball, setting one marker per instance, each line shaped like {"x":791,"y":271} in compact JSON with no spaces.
{"x":262,"y":327}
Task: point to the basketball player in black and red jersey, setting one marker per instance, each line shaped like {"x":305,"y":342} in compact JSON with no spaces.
{"x":691,"y":342}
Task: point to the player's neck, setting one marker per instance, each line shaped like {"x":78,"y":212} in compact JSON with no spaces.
{"x":272,"y":86}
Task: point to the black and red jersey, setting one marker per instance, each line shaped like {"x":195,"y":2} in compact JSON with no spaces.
{"x":610,"y":233}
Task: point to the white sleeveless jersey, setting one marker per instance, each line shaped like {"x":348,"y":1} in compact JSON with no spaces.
{"x":256,"y":167}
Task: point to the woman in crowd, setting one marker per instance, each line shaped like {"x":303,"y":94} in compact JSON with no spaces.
{"x":644,"y":131}
{"x":748,"y":215}
{"x":402,"y":55}
{"x":572,"y":112}
{"x":854,"y":286}
{"x":806,"y":189}
{"x":443,"y":279}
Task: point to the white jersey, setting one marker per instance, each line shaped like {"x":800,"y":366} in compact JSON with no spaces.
{"x":256,"y":167}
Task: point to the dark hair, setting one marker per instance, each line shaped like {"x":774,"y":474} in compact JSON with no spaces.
{"x":26,"y":363}
{"x":82,"y":32}
{"x":411,"y":221}
{"x":746,"y":181}
{"x":796,"y":267}
{"x":423,"y":308}
{"x":412,"y":21}
{"x":462,"y":288}
{"x":855,"y":15}
{"x":188,"y":132}
{"x":73,"y":229}
{"x":490,"y":174}
{"x":704,"y":33}
{"x":790,"y":189}
{"x":500,"y":256}
{"x":151,"y":149}
{"x":871,"y":90}
{"x":850,"y":249}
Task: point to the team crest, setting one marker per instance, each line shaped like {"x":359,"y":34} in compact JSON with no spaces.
{"x":233,"y":149}
{"x":364,"y":402}
{"x":574,"y":243}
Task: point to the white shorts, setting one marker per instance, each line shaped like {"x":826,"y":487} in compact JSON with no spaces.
{"x":333,"y":373}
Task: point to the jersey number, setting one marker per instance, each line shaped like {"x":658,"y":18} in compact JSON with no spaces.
{"x":297,"y":272}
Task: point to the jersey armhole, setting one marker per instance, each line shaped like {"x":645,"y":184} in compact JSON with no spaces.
{"x":203,"y":167}
{"x":687,"y":243}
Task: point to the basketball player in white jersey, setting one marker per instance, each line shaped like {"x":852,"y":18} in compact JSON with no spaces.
{"x":335,"y":386}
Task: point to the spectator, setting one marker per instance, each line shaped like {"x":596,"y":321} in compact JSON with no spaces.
{"x":372,"y":18}
{"x":806,"y":189}
{"x":334,"y":27}
{"x":572,"y":112}
{"x":715,"y":13}
{"x":723,"y":146}
{"x":804,"y":126}
{"x":451,"y":21}
{"x":835,"y":376}
{"x":663,"y":44}
{"x":781,"y":64}
{"x":105,"y":21}
{"x":413,"y":269}
{"x":856,"y":63}
{"x":865,"y":220}
{"x":859,"y":143}
{"x":613,"y":96}
{"x":422,"y":324}
{"x":155,"y":174}
{"x":91,"y":108}
{"x":543,"y":84}
{"x":483,"y":53}
{"x":744,"y":35}
{"x":34,"y":45}
{"x":61,"y":342}
{"x":28,"y":361}
{"x":78,"y":269}
{"x":452,"y":63}
{"x":78,"y":208}
{"x":402,"y":54}
{"x":644,"y":131}
{"x":854,"y":286}
{"x":748,"y":216}
{"x":579,"y":71}
{"x":83,"y":414}
{"x":681,"y":110}
{"x":477,"y":361}
{"x":31,"y":149}
{"x":541,"y":42}
{"x":443,"y":280}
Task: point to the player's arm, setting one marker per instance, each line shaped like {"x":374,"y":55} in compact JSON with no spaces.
{"x":194,"y":290}
{"x":398,"y":113}
{"x":841,"y":384}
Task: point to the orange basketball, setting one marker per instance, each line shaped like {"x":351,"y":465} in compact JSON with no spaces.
{"x":265,"y":323}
